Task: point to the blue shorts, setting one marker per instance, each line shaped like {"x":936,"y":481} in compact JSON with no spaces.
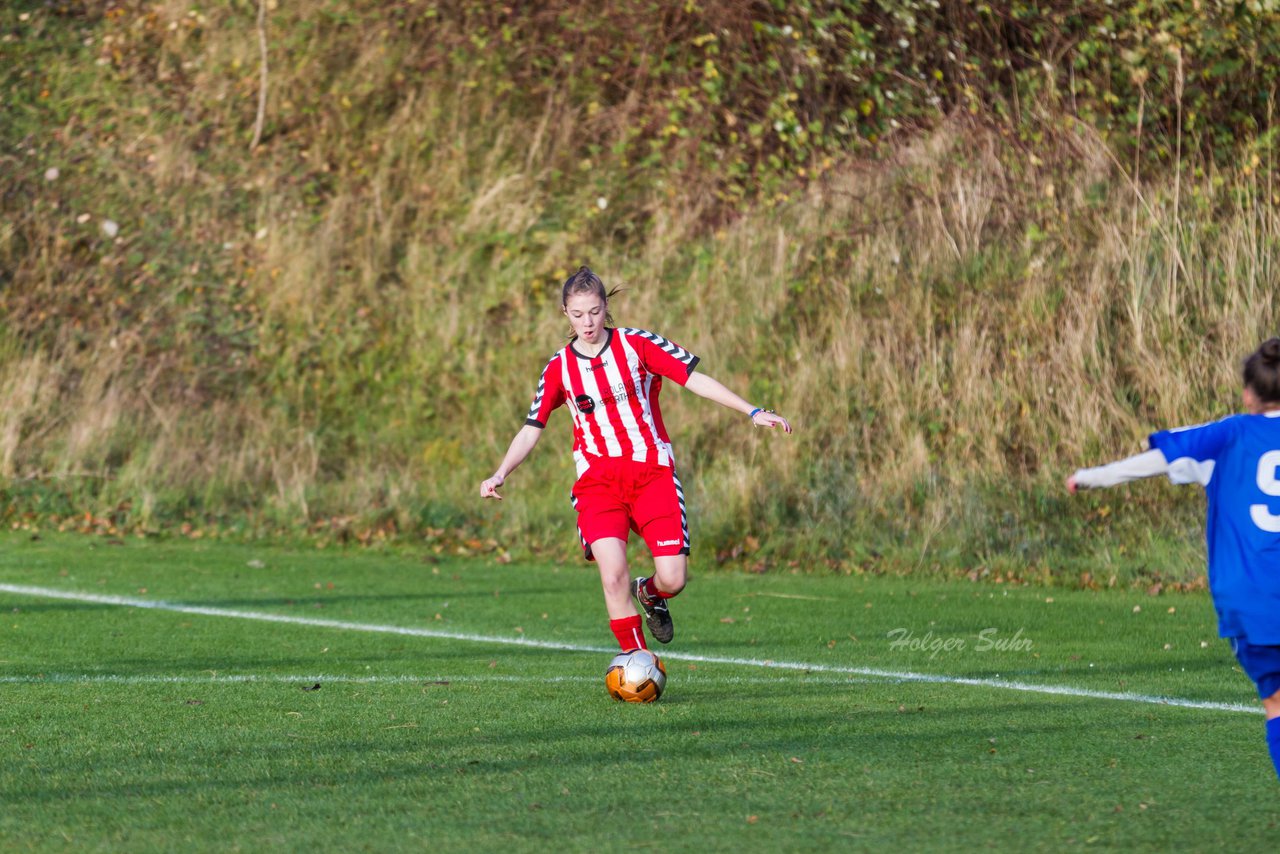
{"x":1261,"y":663}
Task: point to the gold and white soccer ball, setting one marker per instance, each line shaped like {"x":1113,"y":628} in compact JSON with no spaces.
{"x":635,"y":676}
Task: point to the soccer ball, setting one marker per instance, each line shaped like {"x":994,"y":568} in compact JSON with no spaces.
{"x":635,"y":676}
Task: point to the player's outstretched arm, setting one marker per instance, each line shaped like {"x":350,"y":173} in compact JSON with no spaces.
{"x":1147,"y":464}
{"x":520,"y":447}
{"x":705,"y":386}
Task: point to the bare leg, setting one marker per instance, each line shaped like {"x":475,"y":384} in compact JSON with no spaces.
{"x":671,"y":573}
{"x":1271,"y":706}
{"x":611,"y":557}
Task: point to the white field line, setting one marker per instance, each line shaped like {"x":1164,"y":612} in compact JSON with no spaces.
{"x":805,"y":667}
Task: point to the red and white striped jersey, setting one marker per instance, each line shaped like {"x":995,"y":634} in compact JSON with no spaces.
{"x":614,"y":395}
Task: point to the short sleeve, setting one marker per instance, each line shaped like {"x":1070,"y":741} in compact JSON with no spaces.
{"x":549,"y":395}
{"x":1193,"y":452}
{"x":663,"y":357}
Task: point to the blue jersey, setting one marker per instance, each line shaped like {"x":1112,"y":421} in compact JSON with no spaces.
{"x":1237,"y":461}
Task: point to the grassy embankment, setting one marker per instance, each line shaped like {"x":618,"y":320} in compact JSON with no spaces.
{"x":961,"y":273}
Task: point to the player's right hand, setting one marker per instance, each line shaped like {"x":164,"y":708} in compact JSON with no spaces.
{"x":1072,"y":486}
{"x":489,"y":489}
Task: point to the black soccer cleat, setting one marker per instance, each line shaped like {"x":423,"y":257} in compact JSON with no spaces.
{"x":656,"y":615}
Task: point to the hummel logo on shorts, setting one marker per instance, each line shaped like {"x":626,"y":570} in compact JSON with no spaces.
{"x":662,"y":543}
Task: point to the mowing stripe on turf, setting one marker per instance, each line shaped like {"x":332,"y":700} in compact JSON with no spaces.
{"x":438,"y":680}
{"x":302,"y":679}
{"x":807,"y":667}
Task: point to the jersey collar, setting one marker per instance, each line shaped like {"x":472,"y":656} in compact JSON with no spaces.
{"x":608,"y":339}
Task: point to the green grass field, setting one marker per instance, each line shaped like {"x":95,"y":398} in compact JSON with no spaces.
{"x":275,"y":698}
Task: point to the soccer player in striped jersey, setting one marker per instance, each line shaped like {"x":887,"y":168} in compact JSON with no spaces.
{"x":609,"y":379}
{"x":1237,"y":461}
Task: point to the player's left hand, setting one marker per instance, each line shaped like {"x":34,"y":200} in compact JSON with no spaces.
{"x":765,"y":418}
{"x":1072,"y":486}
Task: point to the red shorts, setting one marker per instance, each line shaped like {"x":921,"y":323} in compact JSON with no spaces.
{"x":616,"y":495}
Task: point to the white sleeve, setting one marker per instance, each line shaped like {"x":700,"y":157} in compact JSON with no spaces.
{"x":1147,"y":464}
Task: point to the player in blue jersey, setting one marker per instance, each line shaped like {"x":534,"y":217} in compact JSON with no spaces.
{"x":1237,"y":461}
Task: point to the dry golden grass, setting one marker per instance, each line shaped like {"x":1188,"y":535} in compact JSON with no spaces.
{"x":959,"y":319}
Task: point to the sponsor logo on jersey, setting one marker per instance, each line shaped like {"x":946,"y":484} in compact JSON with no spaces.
{"x":585,"y":404}
{"x":603,"y":364}
{"x":621,"y":393}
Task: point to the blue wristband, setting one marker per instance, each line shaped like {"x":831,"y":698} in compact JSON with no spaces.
{"x":756,"y":412}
